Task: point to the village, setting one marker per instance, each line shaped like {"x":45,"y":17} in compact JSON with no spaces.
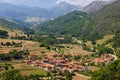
{"x":61,"y":63}
{"x":64,"y":64}
{"x":104,"y":58}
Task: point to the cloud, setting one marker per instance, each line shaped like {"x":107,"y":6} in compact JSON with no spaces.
{"x":78,"y":2}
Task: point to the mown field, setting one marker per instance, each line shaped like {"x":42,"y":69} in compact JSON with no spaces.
{"x":31,"y":46}
{"x":26,"y":69}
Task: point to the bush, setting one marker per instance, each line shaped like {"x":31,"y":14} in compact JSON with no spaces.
{"x":109,"y":72}
{"x":3,"y":34}
{"x":14,"y":54}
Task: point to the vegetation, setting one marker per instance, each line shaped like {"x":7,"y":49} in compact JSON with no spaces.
{"x":70,"y":24}
{"x":62,"y":30}
{"x":116,"y":41}
{"x":12,"y":44}
{"x":49,"y":41}
{"x":109,"y":72}
{"x":13,"y":55}
{"x":104,"y":50}
{"x":28,"y":37}
{"x":107,"y":20}
{"x":15,"y":24}
{"x":5,"y":66}
{"x":13,"y":74}
{"x":3,"y":34}
{"x":86,"y":26}
{"x":68,"y":75}
{"x":85,"y":47}
{"x":86,"y":73}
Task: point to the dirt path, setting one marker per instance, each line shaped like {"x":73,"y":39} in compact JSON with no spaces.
{"x":82,"y":75}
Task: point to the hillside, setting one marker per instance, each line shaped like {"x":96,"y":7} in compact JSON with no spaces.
{"x":95,"y":6}
{"x":11,"y":24}
{"x":107,"y":20}
{"x":22,"y":12}
{"x":70,"y":24}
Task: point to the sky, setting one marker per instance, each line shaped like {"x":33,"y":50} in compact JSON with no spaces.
{"x":47,"y":3}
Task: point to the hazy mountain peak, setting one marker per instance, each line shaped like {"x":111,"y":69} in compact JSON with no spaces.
{"x":67,"y":5}
{"x":95,"y":5}
{"x":62,"y":8}
{"x":64,"y":5}
{"x":25,"y":13}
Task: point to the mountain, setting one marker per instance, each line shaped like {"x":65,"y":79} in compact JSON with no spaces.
{"x":69,"y":24}
{"x":63,"y":8}
{"x":95,"y":6}
{"x":12,"y":11}
{"x":35,"y":14}
{"x":106,"y":20}
{"x":22,"y":13}
{"x":11,"y":24}
{"x":88,"y":26}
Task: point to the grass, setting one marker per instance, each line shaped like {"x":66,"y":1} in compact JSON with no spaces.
{"x":89,"y":44}
{"x":32,"y":46}
{"x":75,"y":50}
{"x":28,"y":70}
{"x":25,"y":69}
{"x":105,"y":38}
{"x":13,"y":32}
{"x":93,"y":68}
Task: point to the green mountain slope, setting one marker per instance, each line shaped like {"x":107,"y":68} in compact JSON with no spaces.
{"x":107,"y":20}
{"x":15,"y":24}
{"x":73,"y":24}
{"x":10,"y":23}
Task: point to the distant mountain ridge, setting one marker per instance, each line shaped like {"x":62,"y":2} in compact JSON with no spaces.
{"x":95,"y":6}
{"x":64,"y":8}
{"x":13,"y":24}
{"x":35,"y":14}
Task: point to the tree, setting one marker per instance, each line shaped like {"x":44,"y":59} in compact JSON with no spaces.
{"x":11,"y":75}
{"x":109,"y":72}
{"x":68,"y":75}
{"x":104,"y":50}
{"x":3,"y":34}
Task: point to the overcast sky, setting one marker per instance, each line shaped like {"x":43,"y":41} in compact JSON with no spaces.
{"x":47,"y":3}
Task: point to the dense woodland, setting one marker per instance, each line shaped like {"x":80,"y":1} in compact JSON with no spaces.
{"x":73,"y":24}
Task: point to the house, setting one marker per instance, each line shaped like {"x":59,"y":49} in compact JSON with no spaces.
{"x":104,"y":58}
{"x":61,"y":63}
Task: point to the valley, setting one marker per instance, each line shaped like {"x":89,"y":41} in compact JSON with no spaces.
{"x":71,"y":43}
